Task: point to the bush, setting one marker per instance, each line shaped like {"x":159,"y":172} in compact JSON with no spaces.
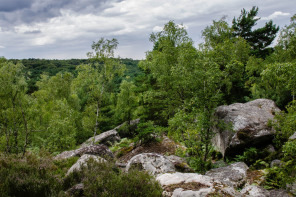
{"x":147,"y":132}
{"x":27,"y":176}
{"x":104,"y":179}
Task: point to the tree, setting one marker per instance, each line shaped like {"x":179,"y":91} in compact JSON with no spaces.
{"x":56,"y":113}
{"x":285,"y":50}
{"x":231,"y":54}
{"x":171,"y":65}
{"x":102,"y":58}
{"x":126,"y":101}
{"x":217,"y":33}
{"x":260,"y":38}
{"x":14,"y":114}
{"x":193,"y":123}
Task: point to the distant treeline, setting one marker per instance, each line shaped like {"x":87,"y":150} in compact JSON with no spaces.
{"x":35,"y":67}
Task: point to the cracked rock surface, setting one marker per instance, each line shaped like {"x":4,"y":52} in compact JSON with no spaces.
{"x":151,"y":162}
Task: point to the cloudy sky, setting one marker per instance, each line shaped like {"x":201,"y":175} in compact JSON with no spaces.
{"x":64,"y":29}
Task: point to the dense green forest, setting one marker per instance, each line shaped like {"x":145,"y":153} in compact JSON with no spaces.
{"x":49,"y":106}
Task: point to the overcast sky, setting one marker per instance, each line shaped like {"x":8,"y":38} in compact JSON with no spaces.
{"x":64,"y":29}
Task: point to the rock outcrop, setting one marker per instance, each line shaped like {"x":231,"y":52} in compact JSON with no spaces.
{"x":106,"y":138}
{"x":293,"y":137}
{"x":109,"y":137}
{"x":249,"y":124}
{"x":193,"y":184}
{"x":234,"y":175}
{"x":100,"y":150}
{"x":151,"y":162}
{"x":82,"y":161}
{"x":254,"y":191}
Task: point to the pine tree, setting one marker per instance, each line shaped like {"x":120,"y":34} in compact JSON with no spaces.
{"x":260,"y":38}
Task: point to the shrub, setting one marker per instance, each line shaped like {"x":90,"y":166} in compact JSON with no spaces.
{"x":104,"y":179}
{"x":147,"y":132}
{"x":27,"y":176}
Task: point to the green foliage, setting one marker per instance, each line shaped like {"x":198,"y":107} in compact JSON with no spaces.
{"x":124,"y":142}
{"x":104,"y":179}
{"x":285,"y":124}
{"x":14,"y":114}
{"x":56,"y":114}
{"x":146,"y":132}
{"x":126,"y":101}
{"x":280,"y":177}
{"x":249,"y":157}
{"x":231,"y":54}
{"x":217,"y":33}
{"x":260,"y":38}
{"x":285,"y":51}
{"x":28,"y":176}
{"x":171,"y":64}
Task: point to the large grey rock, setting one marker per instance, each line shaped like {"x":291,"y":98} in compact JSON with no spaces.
{"x":100,"y":150}
{"x":293,"y":137}
{"x":279,"y":193}
{"x":106,"y":138}
{"x":234,"y":175}
{"x":109,"y":137}
{"x":255,"y":191}
{"x":292,"y":188}
{"x":200,"y":185}
{"x":249,"y":123}
{"x":151,"y":162}
{"x":82,"y":161}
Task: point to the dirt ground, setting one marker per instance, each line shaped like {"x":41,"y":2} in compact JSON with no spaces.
{"x":165,"y":147}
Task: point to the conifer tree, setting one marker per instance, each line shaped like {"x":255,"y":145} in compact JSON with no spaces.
{"x":260,"y":38}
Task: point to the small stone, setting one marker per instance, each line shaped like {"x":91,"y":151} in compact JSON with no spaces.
{"x":276,"y":163}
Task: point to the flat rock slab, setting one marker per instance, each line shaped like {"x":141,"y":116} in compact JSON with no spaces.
{"x":192,"y":185}
{"x":234,"y":175}
{"x":100,"y":150}
{"x":245,"y":125}
{"x":151,"y":162}
{"x":106,"y":138}
{"x":82,"y":161}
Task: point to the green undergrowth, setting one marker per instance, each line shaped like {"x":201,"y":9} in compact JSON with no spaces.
{"x":105,"y":179}
{"x":40,"y":175}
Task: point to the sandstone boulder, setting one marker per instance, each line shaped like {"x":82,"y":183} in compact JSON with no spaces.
{"x":100,"y":150}
{"x":234,"y":175}
{"x":193,"y":184}
{"x":151,"y":162}
{"x":255,"y":191}
{"x":293,"y":137}
{"x":106,"y":138}
{"x":245,"y":125}
{"x":279,"y":193}
{"x":82,"y":161}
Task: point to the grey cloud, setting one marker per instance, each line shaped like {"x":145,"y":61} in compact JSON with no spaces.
{"x":13,"y":5}
{"x":15,"y":12}
{"x":33,"y":32}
